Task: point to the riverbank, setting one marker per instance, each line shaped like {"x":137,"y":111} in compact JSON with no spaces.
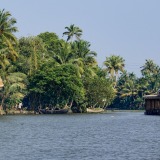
{"x":89,"y":110}
{"x":24,"y":112}
{"x":2,"y":112}
{"x":16,"y":112}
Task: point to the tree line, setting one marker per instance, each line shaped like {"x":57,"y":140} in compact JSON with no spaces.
{"x":47,"y":71}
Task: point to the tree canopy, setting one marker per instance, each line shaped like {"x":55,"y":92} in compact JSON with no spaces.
{"x":47,"y":71}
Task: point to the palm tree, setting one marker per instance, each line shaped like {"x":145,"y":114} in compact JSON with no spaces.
{"x":81,"y":50}
{"x":7,"y":38}
{"x":64,"y":55}
{"x":128,"y":90}
{"x":114,"y":64}
{"x":148,"y":68}
{"x":7,"y":27}
{"x":151,"y":73}
{"x":156,"y":78}
{"x":73,"y":31}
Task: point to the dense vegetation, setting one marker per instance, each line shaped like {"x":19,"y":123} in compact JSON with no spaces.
{"x":46,"y":71}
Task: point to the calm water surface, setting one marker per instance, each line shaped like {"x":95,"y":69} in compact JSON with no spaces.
{"x":111,"y":136}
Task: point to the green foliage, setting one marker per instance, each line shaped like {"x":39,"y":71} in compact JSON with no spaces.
{"x":129,"y":92}
{"x":14,"y":88}
{"x":32,"y":53}
{"x":51,"y":41}
{"x":151,"y":76}
{"x":56,"y":86}
{"x":101,"y":72}
{"x":99,"y":92}
{"x":63,"y":54}
{"x":60,"y":73}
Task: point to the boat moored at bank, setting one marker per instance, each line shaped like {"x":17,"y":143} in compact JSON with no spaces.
{"x":152,"y":104}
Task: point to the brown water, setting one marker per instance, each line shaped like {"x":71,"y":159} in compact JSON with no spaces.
{"x":113,"y":136}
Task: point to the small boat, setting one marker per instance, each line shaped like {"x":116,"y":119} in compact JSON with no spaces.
{"x":53,"y":111}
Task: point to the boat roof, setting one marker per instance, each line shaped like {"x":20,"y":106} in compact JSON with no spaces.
{"x":152,"y":97}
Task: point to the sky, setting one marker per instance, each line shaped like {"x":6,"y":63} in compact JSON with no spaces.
{"x":128,"y":28}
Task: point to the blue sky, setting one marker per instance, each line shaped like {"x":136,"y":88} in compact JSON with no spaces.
{"x":129,"y":28}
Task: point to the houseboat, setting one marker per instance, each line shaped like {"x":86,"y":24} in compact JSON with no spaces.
{"x":152,"y":104}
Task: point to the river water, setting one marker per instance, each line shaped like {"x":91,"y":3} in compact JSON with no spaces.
{"x":110,"y":136}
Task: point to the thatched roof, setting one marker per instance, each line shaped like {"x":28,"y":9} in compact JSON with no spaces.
{"x":1,"y":83}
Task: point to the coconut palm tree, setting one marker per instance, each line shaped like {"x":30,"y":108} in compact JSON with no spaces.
{"x":73,"y":31}
{"x":7,"y":37}
{"x":156,"y":78}
{"x":151,"y":73}
{"x":82,"y":50}
{"x":7,"y":27}
{"x":64,"y":54}
{"x":128,"y":90}
{"x":148,"y":68}
{"x":114,"y":64}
